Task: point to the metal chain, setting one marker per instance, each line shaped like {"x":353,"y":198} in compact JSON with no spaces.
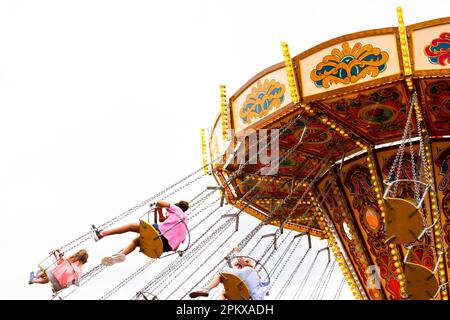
{"x":254,"y":247}
{"x":293,"y":209}
{"x":112,"y":221}
{"x":244,"y":242}
{"x":328,"y":189}
{"x":222,"y":264}
{"x":199,"y":251}
{"x":280,"y":260}
{"x":424,"y":165}
{"x":92,"y":273}
{"x":238,"y":172}
{"x":86,"y":278}
{"x":428,"y":181}
{"x":173,"y":265}
{"x":291,"y":276}
{"x":339,"y":290}
{"x":319,"y":282}
{"x":81,"y":239}
{"x":132,"y":276}
{"x":303,"y":195}
{"x":324,"y":285}
{"x":193,"y":202}
{"x":414,"y":171}
{"x":413,"y":167}
{"x":197,"y":268}
{"x":399,"y":157}
{"x":305,"y":279}
{"x":127,"y":280}
{"x":209,"y":205}
{"x":270,"y":245}
{"x":260,"y":265}
{"x":78,"y":241}
{"x":177,"y":264}
{"x":307,"y":190}
{"x":288,"y":258}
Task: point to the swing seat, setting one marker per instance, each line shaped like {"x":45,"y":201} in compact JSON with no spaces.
{"x":421,"y":283}
{"x":235,"y":287}
{"x":150,"y":240}
{"x":404,"y":222}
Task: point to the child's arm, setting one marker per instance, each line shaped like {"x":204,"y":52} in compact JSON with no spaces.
{"x":237,"y":251}
{"x":58,"y":256}
{"x":159,"y":205}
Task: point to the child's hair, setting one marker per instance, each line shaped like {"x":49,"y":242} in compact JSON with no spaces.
{"x":183,"y":205}
{"x":81,"y":256}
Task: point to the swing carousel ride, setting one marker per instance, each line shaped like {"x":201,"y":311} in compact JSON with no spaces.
{"x":360,"y":128}
{"x":364,"y":122}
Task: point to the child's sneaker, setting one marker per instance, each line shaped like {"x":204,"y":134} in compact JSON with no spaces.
{"x":30,"y":281}
{"x":96,"y":233}
{"x":116,"y":258}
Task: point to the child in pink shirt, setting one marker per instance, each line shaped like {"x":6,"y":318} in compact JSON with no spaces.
{"x":65,"y":272}
{"x":172,"y":229}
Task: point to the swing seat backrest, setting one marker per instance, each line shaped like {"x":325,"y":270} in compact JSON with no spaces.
{"x":150,"y":241}
{"x":404,"y":222}
{"x":235,"y":287}
{"x":421,"y":283}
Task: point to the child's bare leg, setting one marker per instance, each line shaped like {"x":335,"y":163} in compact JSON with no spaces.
{"x":215,"y":282}
{"x":131,"y":246}
{"x":134,"y":227}
{"x":40,"y":278}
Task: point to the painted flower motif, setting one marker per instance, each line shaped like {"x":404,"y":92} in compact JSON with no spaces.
{"x":438,"y":52}
{"x":262,"y":99}
{"x":349,"y":65}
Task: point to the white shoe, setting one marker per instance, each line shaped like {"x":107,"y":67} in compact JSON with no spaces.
{"x":116,"y":258}
{"x":95,"y":233}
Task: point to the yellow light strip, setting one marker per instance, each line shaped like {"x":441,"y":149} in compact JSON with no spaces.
{"x":204,"y":156}
{"x":437,"y":229}
{"x":340,"y":259}
{"x":404,"y":49}
{"x":378,"y":190}
{"x":399,"y":275}
{"x":224,"y":112}
{"x":376,"y":184}
{"x":290,"y":73}
{"x":337,"y":128}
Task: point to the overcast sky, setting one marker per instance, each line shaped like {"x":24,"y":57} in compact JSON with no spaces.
{"x":101,"y":104}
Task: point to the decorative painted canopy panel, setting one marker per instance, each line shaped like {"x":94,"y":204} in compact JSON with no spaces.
{"x":319,"y":140}
{"x":441,"y":163}
{"x":379,"y":114}
{"x":348,"y":61}
{"x":435,"y":100}
{"x":430,"y":46}
{"x":260,"y":98}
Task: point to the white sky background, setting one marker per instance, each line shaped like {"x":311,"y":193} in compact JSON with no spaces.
{"x":101,"y":104}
